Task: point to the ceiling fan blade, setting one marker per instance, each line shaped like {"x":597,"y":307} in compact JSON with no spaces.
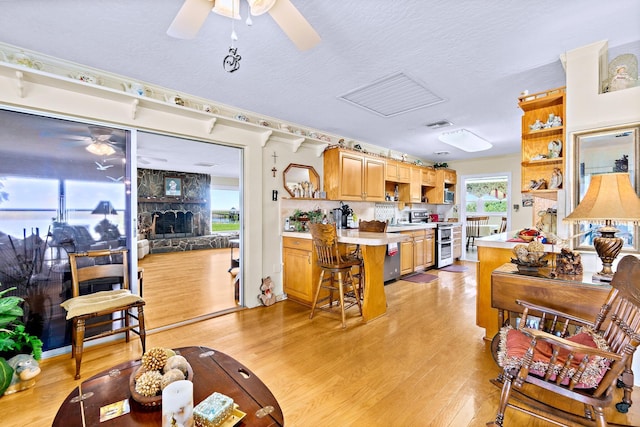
{"x":190,"y":18}
{"x":295,"y":26}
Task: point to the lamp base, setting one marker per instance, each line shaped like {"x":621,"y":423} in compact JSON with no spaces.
{"x":607,"y":247}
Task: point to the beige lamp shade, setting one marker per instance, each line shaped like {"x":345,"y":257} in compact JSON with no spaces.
{"x":609,"y":197}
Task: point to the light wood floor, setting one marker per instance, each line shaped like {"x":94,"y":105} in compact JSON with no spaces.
{"x":423,"y":364}
{"x":198,"y":280}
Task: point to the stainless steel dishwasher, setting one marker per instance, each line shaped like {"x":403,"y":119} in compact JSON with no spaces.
{"x":392,"y":265}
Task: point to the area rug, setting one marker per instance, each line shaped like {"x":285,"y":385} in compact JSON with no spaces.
{"x":420,"y":278}
{"x":455,"y":268}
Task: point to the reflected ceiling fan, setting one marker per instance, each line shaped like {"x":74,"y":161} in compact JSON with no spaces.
{"x":101,"y":141}
{"x":193,"y":13}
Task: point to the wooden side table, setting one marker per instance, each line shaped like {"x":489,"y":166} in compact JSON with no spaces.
{"x":235,"y":262}
{"x":212,"y":371}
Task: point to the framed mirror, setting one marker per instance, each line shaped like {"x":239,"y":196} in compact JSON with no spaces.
{"x":606,"y":151}
{"x":301,"y":180}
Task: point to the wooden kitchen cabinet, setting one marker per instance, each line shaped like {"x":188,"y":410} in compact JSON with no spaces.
{"x":428,"y":177}
{"x":445,"y":179}
{"x":301,"y":272}
{"x":418,"y":253}
{"x":397,"y":171}
{"x":406,"y":255}
{"x":415,"y":186}
{"x":350,"y":175}
{"x":430,"y":248}
{"x":457,"y":241}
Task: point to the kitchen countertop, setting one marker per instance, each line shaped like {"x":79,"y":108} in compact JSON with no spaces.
{"x":354,"y":236}
{"x":501,"y":241}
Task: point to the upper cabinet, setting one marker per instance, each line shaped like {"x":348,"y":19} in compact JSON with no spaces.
{"x":356,"y":176}
{"x":445,"y":182}
{"x":349,"y":175}
{"x":397,"y":171}
{"x":543,"y":142}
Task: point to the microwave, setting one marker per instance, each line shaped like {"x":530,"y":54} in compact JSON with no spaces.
{"x":449,"y":196}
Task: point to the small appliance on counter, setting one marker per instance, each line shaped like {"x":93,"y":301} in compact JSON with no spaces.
{"x":418,"y":216}
{"x":435,"y":218}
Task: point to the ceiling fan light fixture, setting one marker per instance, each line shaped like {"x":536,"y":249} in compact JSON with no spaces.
{"x":228,"y":8}
{"x":260,"y":7}
{"x":465,"y":140}
{"x":100,"y":148}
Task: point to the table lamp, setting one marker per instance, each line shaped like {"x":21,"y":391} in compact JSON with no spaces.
{"x":610,"y":198}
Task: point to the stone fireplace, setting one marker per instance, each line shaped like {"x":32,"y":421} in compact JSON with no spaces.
{"x":177,"y":223}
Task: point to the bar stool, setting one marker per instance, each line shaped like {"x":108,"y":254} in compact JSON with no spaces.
{"x":335,"y":274}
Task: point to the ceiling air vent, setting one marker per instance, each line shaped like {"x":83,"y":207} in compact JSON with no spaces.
{"x":439,"y":124}
{"x":392,"y":95}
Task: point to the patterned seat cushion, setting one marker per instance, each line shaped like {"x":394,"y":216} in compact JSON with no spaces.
{"x":514,"y":344}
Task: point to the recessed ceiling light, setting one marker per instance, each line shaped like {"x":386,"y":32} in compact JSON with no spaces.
{"x":441,"y":153}
{"x":205,"y":164}
{"x":465,"y":140}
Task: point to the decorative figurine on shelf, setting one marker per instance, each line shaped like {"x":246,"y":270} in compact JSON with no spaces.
{"x":540,"y":184}
{"x":552,"y":122}
{"x":556,"y":179}
{"x":622,"y":73}
{"x":537,"y":125}
{"x":555,"y":147}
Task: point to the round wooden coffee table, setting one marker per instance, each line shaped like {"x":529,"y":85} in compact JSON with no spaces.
{"x":212,"y":371}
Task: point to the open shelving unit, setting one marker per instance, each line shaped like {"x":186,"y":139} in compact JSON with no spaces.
{"x":537,"y":160}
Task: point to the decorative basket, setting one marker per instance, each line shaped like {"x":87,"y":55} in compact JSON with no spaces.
{"x":150,"y":401}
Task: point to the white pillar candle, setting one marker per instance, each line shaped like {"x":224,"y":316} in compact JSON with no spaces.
{"x":177,"y":404}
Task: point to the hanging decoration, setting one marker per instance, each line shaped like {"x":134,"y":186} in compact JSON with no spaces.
{"x":231,"y":62}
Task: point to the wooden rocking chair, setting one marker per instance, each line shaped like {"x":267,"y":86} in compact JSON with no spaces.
{"x":585,"y":367}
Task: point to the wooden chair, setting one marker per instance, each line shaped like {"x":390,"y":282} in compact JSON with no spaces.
{"x":585,"y":367}
{"x":102,"y":268}
{"x":503,"y":225}
{"x":335,"y":274}
{"x":474,"y":224}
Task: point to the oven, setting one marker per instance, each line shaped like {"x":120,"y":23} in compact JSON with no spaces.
{"x":444,"y":245}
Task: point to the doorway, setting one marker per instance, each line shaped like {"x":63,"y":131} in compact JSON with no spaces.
{"x":486,"y":195}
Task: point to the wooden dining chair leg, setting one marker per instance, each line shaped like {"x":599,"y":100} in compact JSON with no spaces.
{"x":504,"y":398}
{"x":142,"y":329}
{"x":315,"y":298}
{"x":341,"y":291}
{"x":78,"y":332}
{"x":125,"y":316}
{"x":356,"y":291}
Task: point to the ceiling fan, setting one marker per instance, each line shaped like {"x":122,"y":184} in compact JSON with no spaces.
{"x":193,"y":13}
{"x":100,"y":141}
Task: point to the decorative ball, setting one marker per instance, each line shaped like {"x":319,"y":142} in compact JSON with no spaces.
{"x":154,"y":359}
{"x":176,"y":362}
{"x":171,"y":376}
{"x":149,"y":383}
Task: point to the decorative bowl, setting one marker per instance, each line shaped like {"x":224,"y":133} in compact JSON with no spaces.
{"x":529,"y":266}
{"x":526,"y":237}
{"x":150,"y":401}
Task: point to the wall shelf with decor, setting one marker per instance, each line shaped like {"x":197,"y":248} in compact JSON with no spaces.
{"x":543,"y":142}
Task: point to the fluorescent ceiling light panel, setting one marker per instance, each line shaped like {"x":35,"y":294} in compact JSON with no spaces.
{"x":392,"y":95}
{"x":465,"y":140}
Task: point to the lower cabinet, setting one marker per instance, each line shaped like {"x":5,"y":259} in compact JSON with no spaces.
{"x":418,"y":253}
{"x":406,"y":255}
{"x":301,"y":272}
{"x":457,"y":241}
{"x":430,"y":248}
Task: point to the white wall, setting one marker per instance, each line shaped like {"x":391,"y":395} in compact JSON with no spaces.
{"x":499,"y":165}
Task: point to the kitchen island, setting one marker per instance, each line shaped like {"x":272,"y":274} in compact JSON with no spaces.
{"x":374,"y":247}
{"x":493,"y":252}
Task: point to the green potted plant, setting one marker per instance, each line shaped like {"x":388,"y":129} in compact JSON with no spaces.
{"x":14,"y":339}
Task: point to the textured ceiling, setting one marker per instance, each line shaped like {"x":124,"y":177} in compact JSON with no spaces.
{"x":476,"y":55}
